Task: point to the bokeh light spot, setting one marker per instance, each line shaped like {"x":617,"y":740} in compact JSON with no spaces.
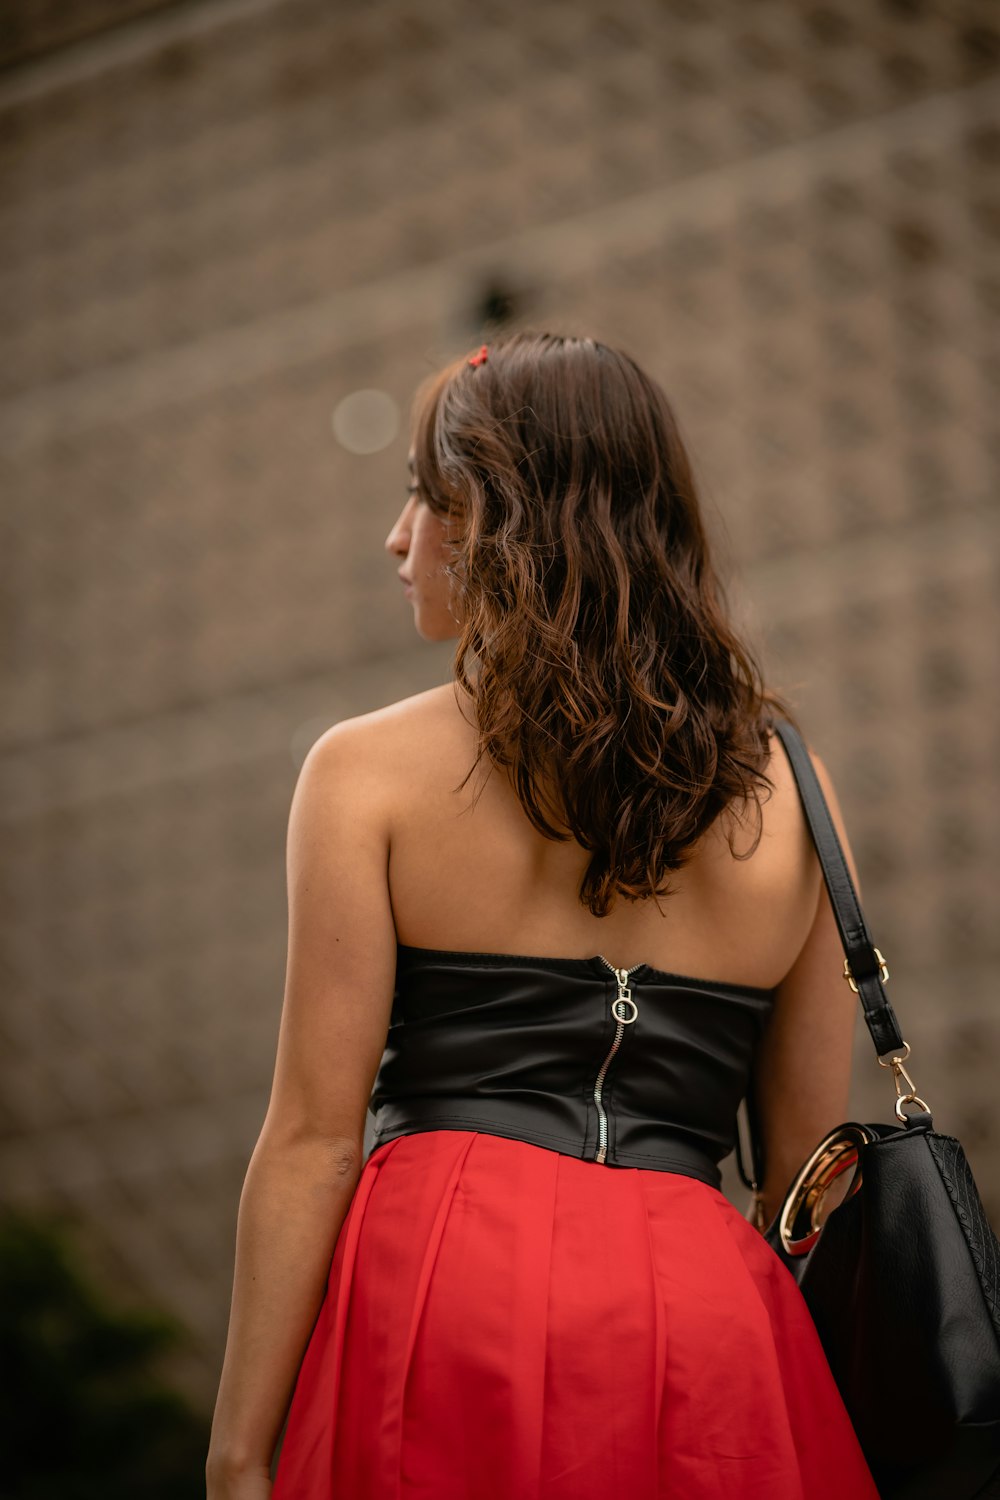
{"x":366,"y":421}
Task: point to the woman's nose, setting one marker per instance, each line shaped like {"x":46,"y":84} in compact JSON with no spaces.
{"x":396,"y":542}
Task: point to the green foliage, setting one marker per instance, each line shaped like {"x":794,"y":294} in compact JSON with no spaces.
{"x":84,"y":1415}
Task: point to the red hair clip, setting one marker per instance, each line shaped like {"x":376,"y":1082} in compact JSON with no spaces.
{"x":480,"y":358}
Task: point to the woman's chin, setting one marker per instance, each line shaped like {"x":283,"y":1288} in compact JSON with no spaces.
{"x":430,"y":627}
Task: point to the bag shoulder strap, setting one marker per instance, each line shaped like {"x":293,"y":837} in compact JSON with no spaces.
{"x":865,"y":968}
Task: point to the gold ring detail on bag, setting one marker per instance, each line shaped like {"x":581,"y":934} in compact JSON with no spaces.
{"x":883,"y":971}
{"x":835,"y":1153}
{"x":909,"y":1099}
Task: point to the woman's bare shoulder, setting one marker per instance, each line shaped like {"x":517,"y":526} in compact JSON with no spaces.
{"x":422,"y":730}
{"x":399,"y":718}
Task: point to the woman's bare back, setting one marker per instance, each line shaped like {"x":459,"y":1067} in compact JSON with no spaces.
{"x":468,"y":874}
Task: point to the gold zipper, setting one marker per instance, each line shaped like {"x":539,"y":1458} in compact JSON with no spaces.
{"x":623,"y":998}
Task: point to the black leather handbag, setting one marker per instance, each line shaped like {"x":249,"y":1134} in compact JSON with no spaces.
{"x":902,"y":1276}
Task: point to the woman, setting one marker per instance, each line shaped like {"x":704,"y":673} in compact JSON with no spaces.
{"x":554,"y":987}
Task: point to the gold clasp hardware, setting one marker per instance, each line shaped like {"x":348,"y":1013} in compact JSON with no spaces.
{"x":909,"y":1095}
{"x":883,"y":971}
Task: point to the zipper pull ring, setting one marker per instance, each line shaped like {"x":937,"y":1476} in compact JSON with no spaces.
{"x":624,"y":997}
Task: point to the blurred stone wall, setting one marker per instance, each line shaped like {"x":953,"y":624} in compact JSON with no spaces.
{"x":218,"y":221}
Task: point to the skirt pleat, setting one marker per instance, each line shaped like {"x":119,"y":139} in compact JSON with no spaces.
{"x":505,"y":1320}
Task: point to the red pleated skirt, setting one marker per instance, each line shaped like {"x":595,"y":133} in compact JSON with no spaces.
{"x":502,"y":1320}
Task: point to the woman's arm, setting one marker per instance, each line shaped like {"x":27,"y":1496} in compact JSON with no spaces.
{"x":805,"y":1057}
{"x":305,"y":1166}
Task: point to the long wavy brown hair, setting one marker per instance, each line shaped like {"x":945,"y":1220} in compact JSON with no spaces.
{"x":608,"y":682}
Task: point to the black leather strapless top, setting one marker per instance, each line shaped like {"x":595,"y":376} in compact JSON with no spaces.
{"x":629,"y":1068}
